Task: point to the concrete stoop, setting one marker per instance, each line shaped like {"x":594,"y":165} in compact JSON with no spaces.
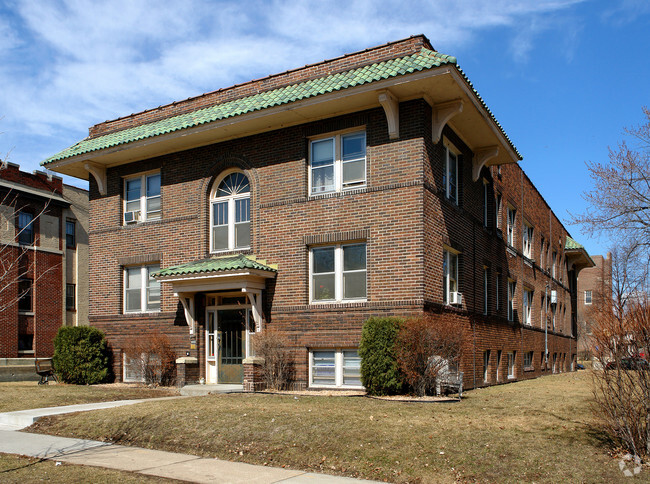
{"x":201,"y":390}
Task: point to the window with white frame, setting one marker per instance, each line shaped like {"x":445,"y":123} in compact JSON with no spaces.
{"x":497,"y":291}
{"x":528,"y":306}
{"x":142,"y":198}
{"x":527,"y":240}
{"x":485,"y":202}
{"x":554,"y":261}
{"x":541,"y":252}
{"x":486,"y":279}
{"x":587,"y":297}
{"x":335,"y":368}
{"x":499,"y":353}
{"x":338,"y":273}
{"x":511,"y":364}
{"x":498,"y":210}
{"x":337,"y":162}
{"x":141,"y":291}
{"x":486,"y":365}
{"x":512,"y":218}
{"x":230,"y":213}
{"x":450,"y":178}
{"x":511,"y":299}
{"x":543,"y":312}
{"x":528,"y":360}
{"x":450,"y":274}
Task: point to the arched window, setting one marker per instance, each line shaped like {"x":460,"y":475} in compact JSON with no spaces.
{"x":230,"y":226}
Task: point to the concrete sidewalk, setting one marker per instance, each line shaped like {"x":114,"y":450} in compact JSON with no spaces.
{"x":185,"y":467}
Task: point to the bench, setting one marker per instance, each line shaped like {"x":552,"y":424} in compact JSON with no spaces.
{"x":450,"y":383}
{"x":45,"y":369}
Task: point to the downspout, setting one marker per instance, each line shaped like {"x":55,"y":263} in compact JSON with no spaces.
{"x":473,"y":320}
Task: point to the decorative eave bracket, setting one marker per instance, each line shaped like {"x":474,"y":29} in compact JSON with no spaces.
{"x":390,"y":104}
{"x":99,"y":172}
{"x":255,"y":298}
{"x":187,"y":300}
{"x":481,"y":157}
{"x":442,"y":113}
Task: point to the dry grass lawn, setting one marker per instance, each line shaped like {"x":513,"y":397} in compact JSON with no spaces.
{"x":22,"y":470}
{"x":26,"y":395}
{"x":532,"y":431}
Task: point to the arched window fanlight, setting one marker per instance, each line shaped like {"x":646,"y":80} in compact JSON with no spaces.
{"x":230,"y":214}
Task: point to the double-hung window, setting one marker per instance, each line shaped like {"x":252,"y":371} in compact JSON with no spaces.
{"x":554,"y":262}
{"x":511,"y":299}
{"x":230,"y":214}
{"x":449,"y":275}
{"x":142,"y":198}
{"x":485,"y":202}
{"x":587,"y":297}
{"x":70,"y":297}
{"x":70,"y":234}
{"x":141,"y":291}
{"x":511,"y":364}
{"x":25,"y":228}
{"x":486,"y":278}
{"x":528,"y":360}
{"x":497,"y":209}
{"x":337,"y":163}
{"x":338,"y":273}
{"x":528,"y":306}
{"x":512,"y":219}
{"x":450,"y":178}
{"x":527,"y":241}
{"x":25,"y":295}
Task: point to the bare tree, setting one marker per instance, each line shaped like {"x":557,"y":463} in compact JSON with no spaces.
{"x":620,"y":197}
{"x":621,"y":340}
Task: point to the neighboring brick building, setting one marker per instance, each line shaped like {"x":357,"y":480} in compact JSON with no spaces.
{"x":44,"y":257}
{"x":594,"y":284}
{"x":377,"y":183}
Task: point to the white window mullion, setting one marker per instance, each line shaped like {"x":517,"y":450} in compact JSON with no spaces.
{"x":143,"y":288}
{"x":338,"y":358}
{"x":231,"y":224}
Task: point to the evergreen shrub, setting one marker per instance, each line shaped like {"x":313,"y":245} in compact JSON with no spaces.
{"x":81,"y":355}
{"x":379,"y":369}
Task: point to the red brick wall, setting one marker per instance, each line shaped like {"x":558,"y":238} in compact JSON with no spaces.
{"x":402,"y":215}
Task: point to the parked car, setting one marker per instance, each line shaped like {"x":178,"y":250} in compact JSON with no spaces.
{"x":632,"y":363}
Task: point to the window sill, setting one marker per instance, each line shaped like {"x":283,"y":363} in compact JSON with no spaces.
{"x":511,"y":251}
{"x":333,"y":193}
{"x":512,"y":377}
{"x":230,"y":251}
{"x":332,"y":302}
{"x":26,"y":313}
{"x":139,"y":313}
{"x":529,"y":368}
{"x":335,"y":387}
{"x":25,"y":352}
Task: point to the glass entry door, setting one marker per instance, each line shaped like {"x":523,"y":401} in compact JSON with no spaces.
{"x":226,"y":345}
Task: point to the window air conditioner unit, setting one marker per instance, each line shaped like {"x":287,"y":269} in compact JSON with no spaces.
{"x":553,"y":297}
{"x":132,"y":217}
{"x":455,"y":298}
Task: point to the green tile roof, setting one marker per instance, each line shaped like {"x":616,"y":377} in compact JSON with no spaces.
{"x":422,"y":60}
{"x":218,"y":264}
{"x":572,"y":244}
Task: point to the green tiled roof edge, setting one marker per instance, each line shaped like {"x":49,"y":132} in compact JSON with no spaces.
{"x":217,"y":264}
{"x":424,"y":59}
{"x":571,"y":244}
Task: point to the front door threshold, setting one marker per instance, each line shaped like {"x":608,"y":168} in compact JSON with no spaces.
{"x":200,"y":390}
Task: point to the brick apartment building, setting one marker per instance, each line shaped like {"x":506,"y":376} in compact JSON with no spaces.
{"x":376,"y":183}
{"x":44,"y":260}
{"x":594,"y":283}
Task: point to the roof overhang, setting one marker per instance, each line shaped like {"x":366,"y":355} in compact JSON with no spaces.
{"x":242,"y":280}
{"x":33,"y":192}
{"x":439,"y":86}
{"x":579,"y":258}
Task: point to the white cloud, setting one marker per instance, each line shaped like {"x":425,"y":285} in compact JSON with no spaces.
{"x":71,"y":63}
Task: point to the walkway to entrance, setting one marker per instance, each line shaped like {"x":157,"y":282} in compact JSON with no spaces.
{"x":200,"y":390}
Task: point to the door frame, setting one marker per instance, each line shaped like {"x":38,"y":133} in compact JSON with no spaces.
{"x":247,"y":334}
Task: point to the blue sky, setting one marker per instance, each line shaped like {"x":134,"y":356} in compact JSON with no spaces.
{"x":564,"y":77}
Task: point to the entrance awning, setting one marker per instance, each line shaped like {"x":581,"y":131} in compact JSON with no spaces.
{"x":245,"y":273}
